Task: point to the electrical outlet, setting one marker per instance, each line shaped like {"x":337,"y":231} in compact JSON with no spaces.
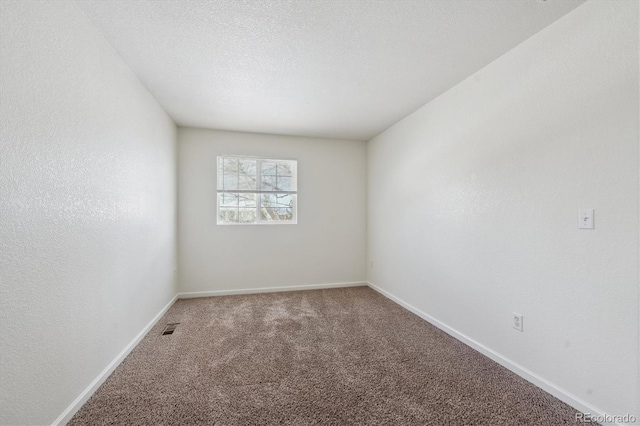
{"x":371,"y":264}
{"x":517,"y":322}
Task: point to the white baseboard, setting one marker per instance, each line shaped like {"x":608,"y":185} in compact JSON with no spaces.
{"x":521,"y":371}
{"x":86,"y":394}
{"x":190,"y":295}
{"x":526,"y":374}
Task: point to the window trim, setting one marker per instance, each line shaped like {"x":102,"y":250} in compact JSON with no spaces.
{"x":258,"y":192}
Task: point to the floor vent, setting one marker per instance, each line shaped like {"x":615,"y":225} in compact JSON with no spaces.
{"x":170,"y":328}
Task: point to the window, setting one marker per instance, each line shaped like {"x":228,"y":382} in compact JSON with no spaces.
{"x":256,"y":190}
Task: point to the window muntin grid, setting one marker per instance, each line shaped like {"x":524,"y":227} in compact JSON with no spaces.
{"x":256,"y":190}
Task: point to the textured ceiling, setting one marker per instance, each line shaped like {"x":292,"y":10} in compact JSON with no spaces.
{"x":340,"y":69}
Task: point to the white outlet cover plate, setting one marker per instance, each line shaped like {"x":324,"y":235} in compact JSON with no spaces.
{"x":517,"y":322}
{"x":585,"y":219}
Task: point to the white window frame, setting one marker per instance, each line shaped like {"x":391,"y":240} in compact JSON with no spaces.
{"x":258,"y":191}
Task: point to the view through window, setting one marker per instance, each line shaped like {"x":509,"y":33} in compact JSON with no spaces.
{"x":256,"y":190}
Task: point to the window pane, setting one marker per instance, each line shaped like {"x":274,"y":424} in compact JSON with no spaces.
{"x":267,"y":200}
{"x":284,"y":200}
{"x":267,"y":205}
{"x":247,"y":200}
{"x":267,"y":215}
{"x":275,"y":207}
{"x":230,"y":174}
{"x":247,"y":216}
{"x":268,"y":183}
{"x":284,"y":183}
{"x":230,"y":182}
{"x":268,"y":168}
{"x":220,"y":172}
{"x":228,"y":200}
{"x":230,"y":165}
{"x":285,"y":214}
{"x":270,"y":214}
{"x":228,"y":215}
{"x":247,"y":166}
{"x":247,"y":174}
{"x":284,"y":169}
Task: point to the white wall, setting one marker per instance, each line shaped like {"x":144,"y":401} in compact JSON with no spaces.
{"x":87,"y":219}
{"x":328,"y":244}
{"x":473,"y":205}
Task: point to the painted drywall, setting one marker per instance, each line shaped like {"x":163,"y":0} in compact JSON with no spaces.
{"x":327,"y":245}
{"x":87,"y":223}
{"x":473,"y":200}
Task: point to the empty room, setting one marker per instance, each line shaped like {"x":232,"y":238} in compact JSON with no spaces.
{"x":319,"y":212}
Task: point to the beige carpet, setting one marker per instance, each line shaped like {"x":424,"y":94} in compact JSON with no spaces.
{"x":340,"y":356}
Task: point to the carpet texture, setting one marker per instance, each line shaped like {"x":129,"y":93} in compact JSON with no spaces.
{"x":341,"y":356}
